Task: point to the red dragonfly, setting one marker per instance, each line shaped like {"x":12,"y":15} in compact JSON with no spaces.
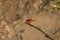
{"x":29,"y":20}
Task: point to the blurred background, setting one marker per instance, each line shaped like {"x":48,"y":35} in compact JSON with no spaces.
{"x":13,"y":14}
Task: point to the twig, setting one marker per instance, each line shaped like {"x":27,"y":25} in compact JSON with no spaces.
{"x":46,"y":35}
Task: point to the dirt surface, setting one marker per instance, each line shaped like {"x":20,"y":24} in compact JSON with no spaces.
{"x":14,"y":13}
